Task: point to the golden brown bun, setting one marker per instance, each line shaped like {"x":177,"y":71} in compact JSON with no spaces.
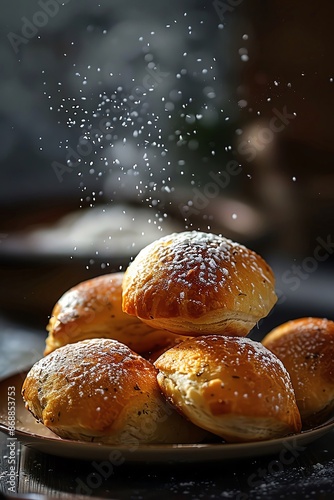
{"x":306,"y":348}
{"x":197,"y":283}
{"x":93,"y":309}
{"x":99,"y":390}
{"x":231,"y":386}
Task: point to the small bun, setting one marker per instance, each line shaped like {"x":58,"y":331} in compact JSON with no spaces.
{"x":194,"y":283}
{"x":93,"y":309}
{"x":231,"y":386}
{"x":306,"y":348}
{"x":99,"y":390}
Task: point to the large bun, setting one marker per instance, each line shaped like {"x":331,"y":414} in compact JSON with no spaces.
{"x":93,"y":309}
{"x":99,"y":390}
{"x":195,"y":283}
{"x":306,"y":348}
{"x":231,"y":386}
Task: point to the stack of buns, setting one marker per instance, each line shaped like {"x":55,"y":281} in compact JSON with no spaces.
{"x":159,"y":354}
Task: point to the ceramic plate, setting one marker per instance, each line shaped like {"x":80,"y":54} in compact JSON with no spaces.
{"x":35,"y":435}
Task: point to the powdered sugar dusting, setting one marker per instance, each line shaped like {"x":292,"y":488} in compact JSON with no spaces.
{"x":199,"y":252}
{"x":89,"y":364}
{"x":249,"y":350}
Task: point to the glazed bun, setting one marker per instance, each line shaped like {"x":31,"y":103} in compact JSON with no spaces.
{"x":306,"y":348}
{"x":93,"y":309}
{"x":100,"y":390}
{"x":194,"y":283}
{"x":231,"y":386}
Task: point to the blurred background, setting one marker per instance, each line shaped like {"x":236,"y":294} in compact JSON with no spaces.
{"x":123,"y":121}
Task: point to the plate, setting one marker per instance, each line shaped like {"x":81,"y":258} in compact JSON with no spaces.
{"x":35,"y":435}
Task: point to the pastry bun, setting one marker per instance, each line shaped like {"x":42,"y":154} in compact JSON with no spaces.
{"x":194,"y":283}
{"x":306,"y":348}
{"x":231,"y":386}
{"x":100,"y":390}
{"x":93,"y":309}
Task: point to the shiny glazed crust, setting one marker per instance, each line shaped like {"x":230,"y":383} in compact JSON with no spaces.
{"x":306,"y":348}
{"x":99,"y":390}
{"x":231,"y":386}
{"x":93,"y":309}
{"x":193,"y":283}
